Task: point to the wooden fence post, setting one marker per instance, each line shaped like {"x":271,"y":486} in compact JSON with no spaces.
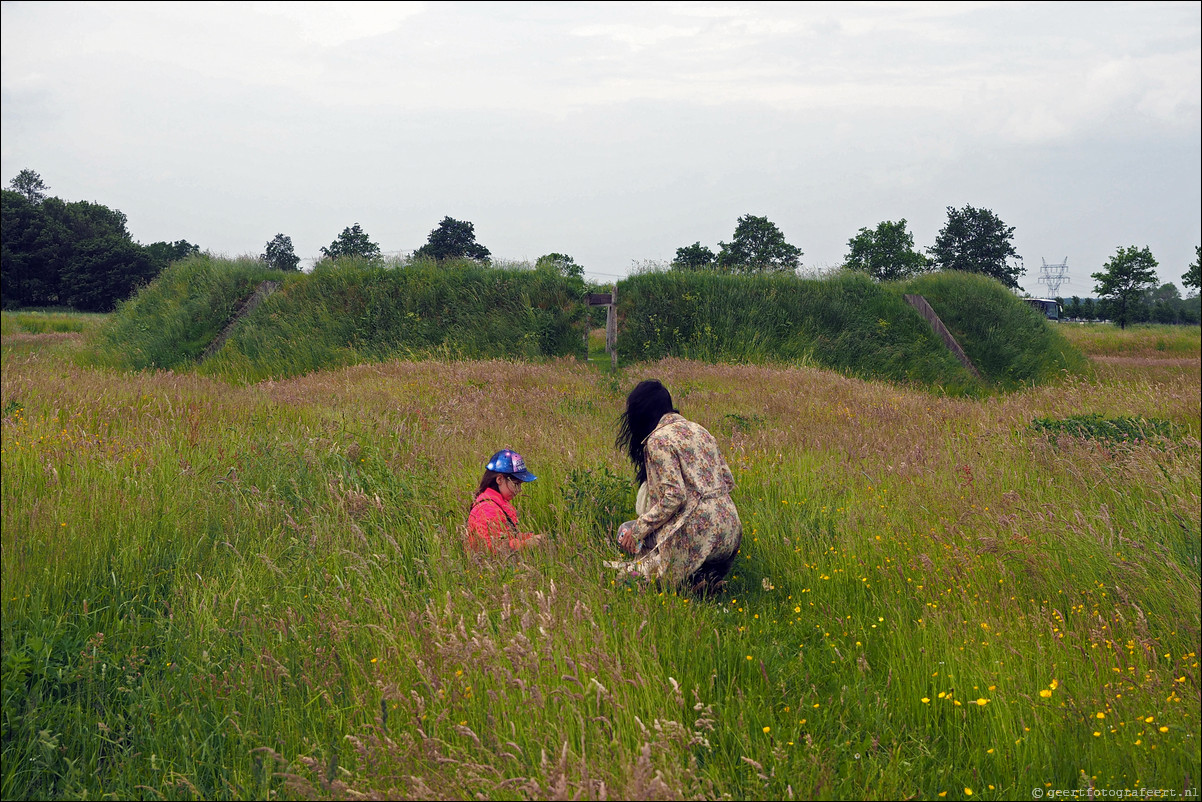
{"x":611,"y":328}
{"x":609,"y":301}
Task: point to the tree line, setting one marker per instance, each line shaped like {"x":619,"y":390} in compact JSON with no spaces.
{"x":974,"y":240}
{"x":1162,"y":305}
{"x":75,"y":254}
{"x":81,"y":255}
{"x":450,"y":240}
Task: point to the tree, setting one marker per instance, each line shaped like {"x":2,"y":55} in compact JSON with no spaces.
{"x":29,"y":184}
{"x":278,"y":254}
{"x":77,"y":254}
{"x":105,"y":270}
{"x":1165,"y":292}
{"x":693,"y":257}
{"x":353,"y":241}
{"x":30,"y":243}
{"x":886,"y":254}
{"x":758,"y":246}
{"x":1190,"y":279}
{"x":1124,"y":279}
{"x":976,"y":241}
{"x":453,"y":239}
{"x":164,"y":253}
{"x":560,"y":263}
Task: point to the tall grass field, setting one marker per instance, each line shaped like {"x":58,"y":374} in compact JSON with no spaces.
{"x":257,"y":589}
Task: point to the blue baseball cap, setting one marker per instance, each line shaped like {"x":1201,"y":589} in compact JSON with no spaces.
{"x":510,"y":462}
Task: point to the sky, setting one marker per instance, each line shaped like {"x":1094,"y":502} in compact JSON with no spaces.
{"x":617,"y":132}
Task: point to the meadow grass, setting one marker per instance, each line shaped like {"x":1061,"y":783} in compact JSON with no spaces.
{"x":215,"y":591}
{"x":31,"y":321}
{"x":1152,"y":340}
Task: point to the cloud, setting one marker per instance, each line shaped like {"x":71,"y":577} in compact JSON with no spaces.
{"x":335,"y":24}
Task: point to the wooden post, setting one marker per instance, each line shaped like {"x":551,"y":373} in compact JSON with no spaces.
{"x":611,"y":328}
{"x":609,"y":301}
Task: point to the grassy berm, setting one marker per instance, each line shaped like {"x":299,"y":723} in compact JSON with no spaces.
{"x":847,"y":323}
{"x":353,"y":312}
{"x":343,"y":313}
{"x":251,"y":591}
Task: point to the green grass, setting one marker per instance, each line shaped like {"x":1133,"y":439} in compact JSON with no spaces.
{"x":215,"y":591}
{"x":48,"y":322}
{"x":1102,"y":339}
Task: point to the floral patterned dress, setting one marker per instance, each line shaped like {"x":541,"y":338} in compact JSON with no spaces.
{"x":691,"y":528}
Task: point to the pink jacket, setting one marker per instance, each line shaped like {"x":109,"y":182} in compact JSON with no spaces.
{"x":493,"y":522}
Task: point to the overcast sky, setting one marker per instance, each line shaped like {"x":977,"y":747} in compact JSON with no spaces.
{"x":615,"y":132}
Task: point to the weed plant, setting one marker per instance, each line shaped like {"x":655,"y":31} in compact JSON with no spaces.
{"x":259,"y":591}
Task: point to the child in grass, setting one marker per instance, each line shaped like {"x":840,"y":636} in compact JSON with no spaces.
{"x":492,"y":524}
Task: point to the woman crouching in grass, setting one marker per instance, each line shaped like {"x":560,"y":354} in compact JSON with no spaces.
{"x":688,"y":531}
{"x":492,"y":524}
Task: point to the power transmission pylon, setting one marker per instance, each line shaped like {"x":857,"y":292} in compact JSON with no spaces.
{"x":1053,"y":276}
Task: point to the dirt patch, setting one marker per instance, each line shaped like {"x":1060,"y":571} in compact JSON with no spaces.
{"x":25,"y":338}
{"x":1149,"y":359}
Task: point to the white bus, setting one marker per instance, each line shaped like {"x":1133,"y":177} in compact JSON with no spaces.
{"x":1047,"y":306}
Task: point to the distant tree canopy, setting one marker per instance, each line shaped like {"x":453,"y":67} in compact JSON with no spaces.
{"x":453,"y":239}
{"x":76,"y":254}
{"x":694,"y":257}
{"x":1190,"y":279}
{"x":29,"y":184}
{"x":560,"y":263}
{"x":977,"y":241}
{"x":353,"y":241}
{"x":164,"y":253}
{"x":758,"y":246}
{"x":278,"y":254}
{"x":887,"y":253}
{"x":1125,"y":279}
{"x":1161,"y":305}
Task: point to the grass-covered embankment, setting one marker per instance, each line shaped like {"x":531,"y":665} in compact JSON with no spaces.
{"x":1011,"y":344}
{"x":344,"y":312}
{"x":170,"y":322}
{"x":237,"y":592}
{"x":847,"y":323}
{"x":351,"y":312}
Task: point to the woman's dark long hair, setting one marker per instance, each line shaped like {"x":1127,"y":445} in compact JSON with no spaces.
{"x":646,"y":404}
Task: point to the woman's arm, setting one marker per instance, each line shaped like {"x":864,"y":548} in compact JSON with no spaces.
{"x":662,"y":463}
